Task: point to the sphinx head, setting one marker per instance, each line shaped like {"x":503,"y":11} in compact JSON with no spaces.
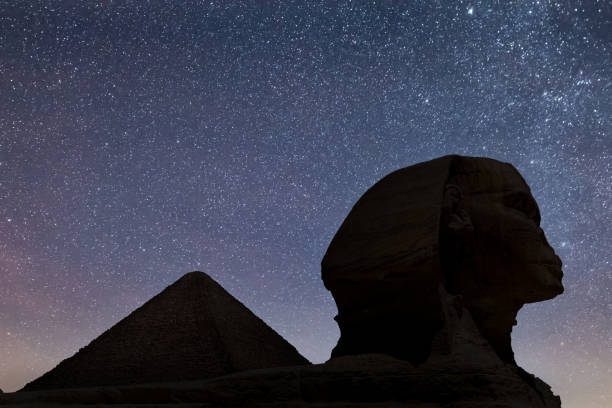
{"x":469,"y":225}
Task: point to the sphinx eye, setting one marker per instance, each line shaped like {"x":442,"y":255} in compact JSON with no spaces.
{"x":517,"y":202}
{"x":523,"y":203}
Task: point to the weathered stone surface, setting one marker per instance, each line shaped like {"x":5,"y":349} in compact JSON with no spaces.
{"x":459,"y":225}
{"x":192,"y":329}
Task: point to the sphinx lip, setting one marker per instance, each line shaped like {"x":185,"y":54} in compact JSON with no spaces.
{"x":554,"y":267}
{"x":551,"y":264}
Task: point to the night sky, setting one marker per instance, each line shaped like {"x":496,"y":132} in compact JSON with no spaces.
{"x":143,"y":140}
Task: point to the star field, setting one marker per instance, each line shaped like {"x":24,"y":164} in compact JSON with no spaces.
{"x":143,"y":140}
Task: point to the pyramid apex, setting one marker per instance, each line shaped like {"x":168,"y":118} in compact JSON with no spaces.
{"x":195,"y":275}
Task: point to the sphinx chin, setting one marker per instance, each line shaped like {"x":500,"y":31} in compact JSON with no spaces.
{"x":548,"y":282}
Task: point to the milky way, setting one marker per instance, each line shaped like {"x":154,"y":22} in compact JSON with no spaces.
{"x":140,"y":141}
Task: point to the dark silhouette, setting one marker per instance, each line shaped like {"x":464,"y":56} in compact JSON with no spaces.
{"x":428,"y":271}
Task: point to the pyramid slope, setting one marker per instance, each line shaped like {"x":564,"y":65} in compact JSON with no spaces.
{"x":192,"y":329}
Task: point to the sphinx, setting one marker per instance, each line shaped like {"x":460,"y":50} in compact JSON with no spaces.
{"x":430,"y":242}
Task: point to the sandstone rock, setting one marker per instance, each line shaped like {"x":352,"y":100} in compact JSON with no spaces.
{"x":192,"y":329}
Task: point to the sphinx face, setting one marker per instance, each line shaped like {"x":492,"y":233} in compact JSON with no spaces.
{"x":512,"y":257}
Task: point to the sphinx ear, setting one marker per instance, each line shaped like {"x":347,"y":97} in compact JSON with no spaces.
{"x":456,"y":219}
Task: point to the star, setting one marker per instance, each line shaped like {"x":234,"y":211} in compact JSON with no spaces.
{"x":142,"y":140}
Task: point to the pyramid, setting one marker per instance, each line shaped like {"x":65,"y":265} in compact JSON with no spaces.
{"x":193,"y":329}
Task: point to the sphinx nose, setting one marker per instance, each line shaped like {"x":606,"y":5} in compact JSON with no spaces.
{"x":555,"y":258}
{"x":545,"y":241}
{"x":543,"y":236}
